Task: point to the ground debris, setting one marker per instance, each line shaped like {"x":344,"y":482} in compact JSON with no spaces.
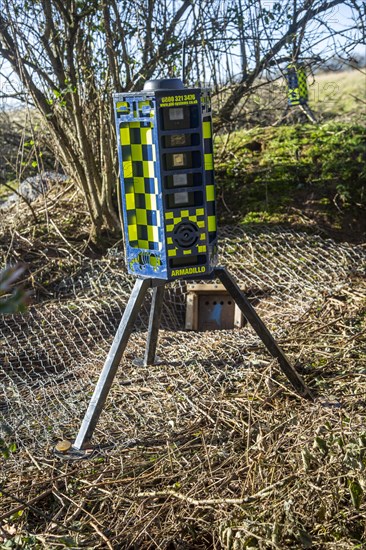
{"x":209,"y":448}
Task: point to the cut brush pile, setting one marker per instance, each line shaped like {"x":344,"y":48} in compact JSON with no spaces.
{"x":209,"y":448}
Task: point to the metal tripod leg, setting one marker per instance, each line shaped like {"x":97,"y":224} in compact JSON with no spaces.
{"x":309,"y":113}
{"x":262,"y":331}
{"x":111,"y":364}
{"x":154,"y":324}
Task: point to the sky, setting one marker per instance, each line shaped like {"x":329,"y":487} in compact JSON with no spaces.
{"x":338,"y":18}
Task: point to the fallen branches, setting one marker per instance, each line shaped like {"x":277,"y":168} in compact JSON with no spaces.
{"x":266,"y":492}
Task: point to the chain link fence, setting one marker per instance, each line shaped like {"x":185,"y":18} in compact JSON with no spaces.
{"x":51,"y":356}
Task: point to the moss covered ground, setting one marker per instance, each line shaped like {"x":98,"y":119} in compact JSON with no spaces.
{"x":295,"y":173}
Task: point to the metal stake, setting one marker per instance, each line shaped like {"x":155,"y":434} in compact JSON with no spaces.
{"x":262,"y":331}
{"x":309,"y":113}
{"x":154,"y":325}
{"x":111,"y":364}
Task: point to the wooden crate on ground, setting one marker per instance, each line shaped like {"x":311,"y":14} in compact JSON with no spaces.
{"x":210,"y":307}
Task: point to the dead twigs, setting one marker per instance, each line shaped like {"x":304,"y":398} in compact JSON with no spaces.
{"x":210,"y":446}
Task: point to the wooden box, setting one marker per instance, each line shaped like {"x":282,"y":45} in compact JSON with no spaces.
{"x":210,"y":307}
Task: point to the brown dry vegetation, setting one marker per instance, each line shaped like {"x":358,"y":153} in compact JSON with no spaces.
{"x":210,"y":448}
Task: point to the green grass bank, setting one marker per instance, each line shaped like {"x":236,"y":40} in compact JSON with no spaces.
{"x":286,"y":173}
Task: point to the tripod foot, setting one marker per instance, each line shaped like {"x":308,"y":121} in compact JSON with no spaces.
{"x":65,"y":451}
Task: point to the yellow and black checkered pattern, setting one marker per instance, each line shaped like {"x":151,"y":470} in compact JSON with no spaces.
{"x":303,"y":86}
{"x":209,"y":172}
{"x":173,"y":219}
{"x":140,"y":185}
{"x":297,"y":85}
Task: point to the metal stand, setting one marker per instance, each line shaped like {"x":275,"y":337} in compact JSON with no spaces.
{"x":154,"y":325}
{"x":303,"y":107}
{"x":309,"y":113}
{"x":124,"y":331}
{"x":111,"y":364}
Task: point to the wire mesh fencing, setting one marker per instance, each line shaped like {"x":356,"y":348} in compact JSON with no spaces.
{"x":51,"y":356}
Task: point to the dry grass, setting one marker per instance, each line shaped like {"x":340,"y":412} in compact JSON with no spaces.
{"x":340,"y":95}
{"x":235,"y":456}
{"x":210,"y":448}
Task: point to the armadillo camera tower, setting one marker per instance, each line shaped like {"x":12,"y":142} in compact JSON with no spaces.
{"x":297,"y":85}
{"x":297,"y":90}
{"x":165,"y":151}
